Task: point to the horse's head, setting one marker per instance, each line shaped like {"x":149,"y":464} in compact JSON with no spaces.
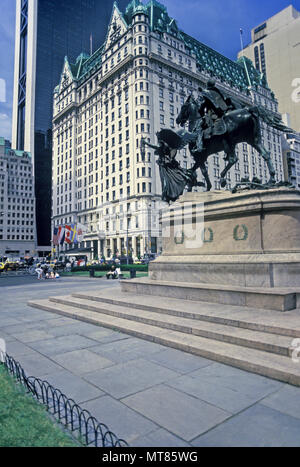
{"x":188,"y":113}
{"x":184,"y":114}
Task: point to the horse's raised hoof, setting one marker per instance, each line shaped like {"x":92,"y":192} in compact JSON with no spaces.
{"x":223,"y":182}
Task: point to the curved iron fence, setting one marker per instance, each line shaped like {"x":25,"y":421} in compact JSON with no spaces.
{"x":65,"y":410}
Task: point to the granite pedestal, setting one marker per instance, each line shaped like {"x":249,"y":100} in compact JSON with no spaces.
{"x":230,"y":248}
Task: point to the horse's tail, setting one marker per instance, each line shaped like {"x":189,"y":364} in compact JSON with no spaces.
{"x":269,"y":118}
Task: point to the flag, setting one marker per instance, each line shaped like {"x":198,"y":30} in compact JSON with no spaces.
{"x":61,"y":235}
{"x":74,"y":233}
{"x":81,"y":230}
{"x":91,"y":44}
{"x":71,"y":234}
{"x":68,"y":234}
{"x":55,"y":236}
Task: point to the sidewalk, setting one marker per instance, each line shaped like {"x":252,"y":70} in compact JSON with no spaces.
{"x":147,"y":394}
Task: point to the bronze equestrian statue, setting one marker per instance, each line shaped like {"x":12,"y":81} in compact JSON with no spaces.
{"x":216,"y":123}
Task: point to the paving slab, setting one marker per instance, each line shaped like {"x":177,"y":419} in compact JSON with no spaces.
{"x":179,"y":361}
{"x":73,"y":386}
{"x":128,"y":349}
{"x":8,"y":322}
{"x":6,"y":337}
{"x":103,"y":335}
{"x":130,"y":377}
{"x":248,"y":384}
{"x":179,"y":413}
{"x":160,"y":439}
{"x":58,"y":321}
{"x":72,"y":328}
{"x":17,"y":349}
{"x":122,"y":420}
{"x":32,"y":335}
{"x":208,"y":390}
{"x":82,"y":361}
{"x":23,"y":327}
{"x":31,"y":318}
{"x":37,"y":365}
{"x":258,"y":426}
{"x":62,"y":344}
{"x":286,"y":400}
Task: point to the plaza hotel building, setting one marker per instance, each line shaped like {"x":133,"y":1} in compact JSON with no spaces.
{"x":131,"y":87}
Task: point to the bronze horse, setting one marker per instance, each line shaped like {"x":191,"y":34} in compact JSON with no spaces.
{"x":243,"y":126}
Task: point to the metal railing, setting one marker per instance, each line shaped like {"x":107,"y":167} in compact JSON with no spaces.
{"x":77,"y":420}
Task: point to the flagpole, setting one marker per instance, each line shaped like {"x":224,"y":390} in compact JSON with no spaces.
{"x":243,"y":56}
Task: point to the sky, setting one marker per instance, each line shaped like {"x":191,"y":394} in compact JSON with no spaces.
{"x":216,"y":23}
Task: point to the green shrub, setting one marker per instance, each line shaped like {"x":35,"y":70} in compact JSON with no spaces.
{"x":107,"y":267}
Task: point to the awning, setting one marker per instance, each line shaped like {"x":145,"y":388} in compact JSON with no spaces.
{"x":77,"y":252}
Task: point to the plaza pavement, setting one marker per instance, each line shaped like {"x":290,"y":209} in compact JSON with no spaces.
{"x":147,"y":394}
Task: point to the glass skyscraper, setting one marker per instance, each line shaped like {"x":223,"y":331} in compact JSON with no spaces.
{"x":46,"y":32}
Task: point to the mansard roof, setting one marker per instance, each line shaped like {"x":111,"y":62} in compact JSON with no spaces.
{"x":240,"y":74}
{"x":208,"y":59}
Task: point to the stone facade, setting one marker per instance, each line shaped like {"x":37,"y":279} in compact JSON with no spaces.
{"x":291,"y":158}
{"x":17,"y":203}
{"x":130,"y":88}
{"x":274,"y":50}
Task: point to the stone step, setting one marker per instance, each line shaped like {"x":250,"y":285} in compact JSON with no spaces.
{"x":279,"y":299}
{"x":226,"y":333}
{"x":263,"y":363}
{"x":287,"y":324}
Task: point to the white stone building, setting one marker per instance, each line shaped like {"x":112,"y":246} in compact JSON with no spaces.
{"x":17,"y":203}
{"x":275,"y":51}
{"x":130,"y":88}
{"x":291,"y":151}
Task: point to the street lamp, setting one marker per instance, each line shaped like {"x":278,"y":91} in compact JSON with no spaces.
{"x":128,"y":217}
{"x":149,"y":215}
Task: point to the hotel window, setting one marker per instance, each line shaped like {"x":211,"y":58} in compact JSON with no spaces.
{"x":256,"y":56}
{"x":263,"y":58}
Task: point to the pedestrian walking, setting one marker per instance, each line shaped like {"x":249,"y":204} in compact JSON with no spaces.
{"x":39,"y":272}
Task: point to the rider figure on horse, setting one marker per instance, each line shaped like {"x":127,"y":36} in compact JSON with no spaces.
{"x":213,"y":105}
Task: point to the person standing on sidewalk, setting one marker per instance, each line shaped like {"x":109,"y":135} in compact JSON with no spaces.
{"x":39,"y":272}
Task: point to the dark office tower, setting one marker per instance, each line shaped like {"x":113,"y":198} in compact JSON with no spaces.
{"x":46,"y":32}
